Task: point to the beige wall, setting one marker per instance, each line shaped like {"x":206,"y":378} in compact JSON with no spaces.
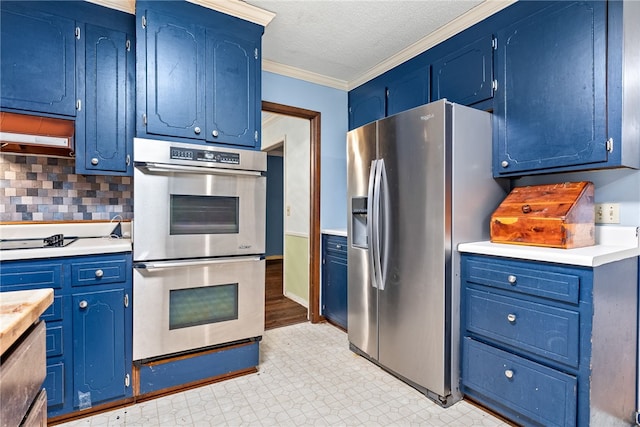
{"x":296,"y":268}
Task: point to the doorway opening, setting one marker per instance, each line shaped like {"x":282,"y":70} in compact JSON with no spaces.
{"x":312,"y":214}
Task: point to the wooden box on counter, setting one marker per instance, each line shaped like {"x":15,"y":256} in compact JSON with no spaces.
{"x":551,"y":215}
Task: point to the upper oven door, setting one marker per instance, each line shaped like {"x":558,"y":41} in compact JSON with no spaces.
{"x":191,"y":212}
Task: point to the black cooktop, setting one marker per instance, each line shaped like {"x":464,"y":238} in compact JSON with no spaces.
{"x":55,"y":241}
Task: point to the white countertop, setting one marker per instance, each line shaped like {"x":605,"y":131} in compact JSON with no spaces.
{"x":335,"y":232}
{"x":613,"y":243}
{"x":94,"y":239}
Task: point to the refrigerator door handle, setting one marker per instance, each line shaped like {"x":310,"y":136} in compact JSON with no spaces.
{"x":371,"y":219}
{"x":383,"y":225}
{"x":376,"y":225}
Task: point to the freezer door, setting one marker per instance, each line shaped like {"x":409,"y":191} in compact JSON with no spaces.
{"x":414,"y":232}
{"x":362,"y":301}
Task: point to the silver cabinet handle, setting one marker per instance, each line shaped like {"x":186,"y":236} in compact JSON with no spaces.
{"x":196,"y":130}
{"x":511,"y":318}
{"x":338,"y":246}
{"x":504,"y":164}
{"x":508,"y":373}
{"x":512,"y":279}
{"x":83,"y":304}
{"x":99,"y":273}
{"x":94,"y":161}
{"x":215,"y":133}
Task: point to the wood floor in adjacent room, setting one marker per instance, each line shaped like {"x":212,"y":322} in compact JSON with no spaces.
{"x":279,"y":310}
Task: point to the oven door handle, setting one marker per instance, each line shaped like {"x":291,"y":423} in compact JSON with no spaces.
{"x":192,"y":263}
{"x":164,"y":168}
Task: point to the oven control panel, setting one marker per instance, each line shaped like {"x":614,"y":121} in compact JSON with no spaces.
{"x":180,"y":153}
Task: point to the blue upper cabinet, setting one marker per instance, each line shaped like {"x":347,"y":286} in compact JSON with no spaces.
{"x":367,"y":103}
{"x":551,"y":102}
{"x":37,"y":60}
{"x":233,"y":65}
{"x":407,"y":88}
{"x":175,"y":101}
{"x":466,"y":75}
{"x":104,"y":128}
{"x":198,"y":75}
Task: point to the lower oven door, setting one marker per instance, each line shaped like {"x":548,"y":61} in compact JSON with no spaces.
{"x":185,"y":305}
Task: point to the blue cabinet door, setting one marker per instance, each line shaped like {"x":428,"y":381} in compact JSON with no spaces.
{"x":104,"y":138}
{"x":175,"y":77}
{"x":98,"y":347}
{"x":408,"y":90}
{"x":37,"y":61}
{"x":550,"y":106}
{"x":334,"y":279}
{"x":465,"y":76}
{"x":367,"y":103}
{"x":233,"y":99}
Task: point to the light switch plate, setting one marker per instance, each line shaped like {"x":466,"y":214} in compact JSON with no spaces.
{"x":607,"y":213}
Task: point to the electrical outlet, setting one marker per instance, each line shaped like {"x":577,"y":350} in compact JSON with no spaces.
{"x":607,"y":213}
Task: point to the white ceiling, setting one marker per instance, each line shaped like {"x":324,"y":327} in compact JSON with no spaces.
{"x":344,"y":43}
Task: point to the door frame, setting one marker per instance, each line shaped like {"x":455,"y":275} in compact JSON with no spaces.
{"x":314,"y":199}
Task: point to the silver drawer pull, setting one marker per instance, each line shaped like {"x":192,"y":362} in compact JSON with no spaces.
{"x":338,"y":246}
{"x":83,"y":304}
{"x":512,"y":279}
{"x":99,"y":273}
{"x":511,"y":318}
{"x":508,"y":373}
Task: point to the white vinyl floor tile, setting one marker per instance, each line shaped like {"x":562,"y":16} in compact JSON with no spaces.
{"x":307,"y":377}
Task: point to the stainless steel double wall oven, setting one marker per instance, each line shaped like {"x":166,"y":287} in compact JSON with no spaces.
{"x":199,"y":242}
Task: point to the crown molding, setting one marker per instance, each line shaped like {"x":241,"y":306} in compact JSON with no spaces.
{"x":128,"y":6}
{"x":235,"y":8}
{"x":298,"y":73}
{"x":239,"y":9}
{"x":464,"y":21}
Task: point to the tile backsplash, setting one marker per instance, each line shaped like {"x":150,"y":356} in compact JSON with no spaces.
{"x":47,"y":189}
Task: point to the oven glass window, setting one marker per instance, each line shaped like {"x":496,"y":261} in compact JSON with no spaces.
{"x":203,"y":214}
{"x":202,"y":305}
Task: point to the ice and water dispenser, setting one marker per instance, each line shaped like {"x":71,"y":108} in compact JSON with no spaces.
{"x":359,"y":222}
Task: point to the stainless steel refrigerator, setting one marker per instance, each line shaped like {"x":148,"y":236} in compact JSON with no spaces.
{"x":418,"y":183}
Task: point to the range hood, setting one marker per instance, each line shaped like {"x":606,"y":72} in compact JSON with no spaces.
{"x":35,"y":135}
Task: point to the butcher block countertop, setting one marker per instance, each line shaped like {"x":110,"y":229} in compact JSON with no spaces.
{"x":18,"y":311}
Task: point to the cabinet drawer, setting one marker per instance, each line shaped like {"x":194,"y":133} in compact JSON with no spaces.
{"x":54,"y":384}
{"x":98,"y":272}
{"x":519,"y":278}
{"x":54,"y":340}
{"x":335,"y":245}
{"x":547,"y":331}
{"x":539,"y":393}
{"x":19,"y":276}
{"x":54,"y":312}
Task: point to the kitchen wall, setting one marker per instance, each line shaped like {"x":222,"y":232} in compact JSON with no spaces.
{"x":47,"y":189}
{"x":332,"y":105}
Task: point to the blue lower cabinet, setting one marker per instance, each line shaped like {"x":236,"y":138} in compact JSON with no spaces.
{"x":546,"y":344}
{"x":334,"y":279}
{"x":54,"y":384}
{"x":98,"y":348}
{"x":89,"y":326}
{"x":226,"y":361}
{"x":536,"y":392}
